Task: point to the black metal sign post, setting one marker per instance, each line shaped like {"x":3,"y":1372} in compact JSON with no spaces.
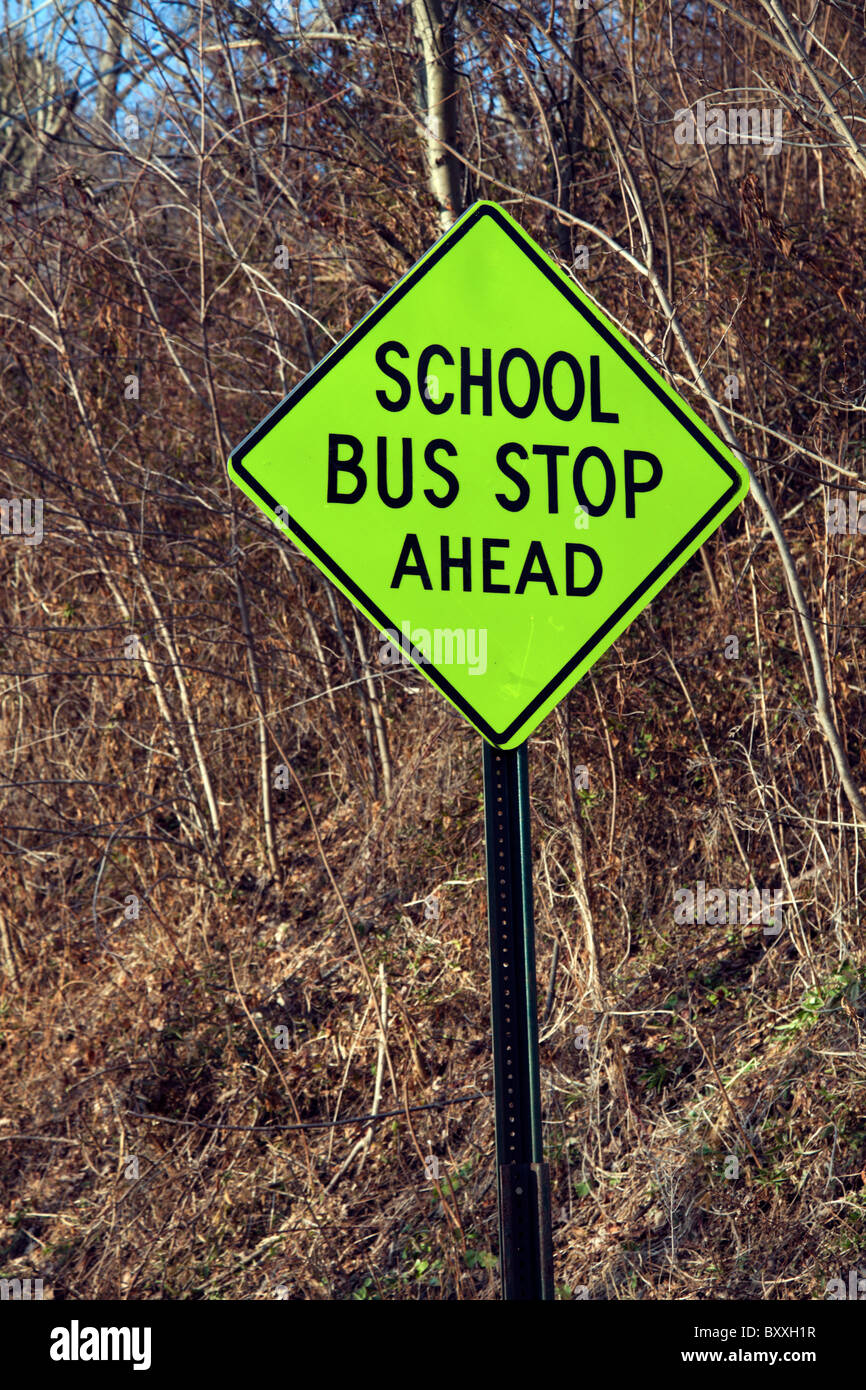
{"x":525,"y":1241}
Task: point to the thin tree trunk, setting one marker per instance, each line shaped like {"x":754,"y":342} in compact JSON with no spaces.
{"x":438,"y":106}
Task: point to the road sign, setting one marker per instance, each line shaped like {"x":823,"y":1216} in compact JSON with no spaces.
{"x":501,"y":482}
{"x":492,"y":473}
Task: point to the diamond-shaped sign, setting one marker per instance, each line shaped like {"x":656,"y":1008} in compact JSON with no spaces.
{"x":491,"y":473}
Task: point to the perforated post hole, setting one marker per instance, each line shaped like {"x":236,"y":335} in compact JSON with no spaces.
{"x":515,"y":1052}
{"x":506,"y":909}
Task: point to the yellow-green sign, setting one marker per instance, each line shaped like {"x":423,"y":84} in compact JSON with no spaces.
{"x":492,"y":474}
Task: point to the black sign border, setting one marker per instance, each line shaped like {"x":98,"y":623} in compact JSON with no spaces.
{"x":370,"y":321}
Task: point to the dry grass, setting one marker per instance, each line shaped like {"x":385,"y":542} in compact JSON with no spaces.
{"x":139,"y":1055}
